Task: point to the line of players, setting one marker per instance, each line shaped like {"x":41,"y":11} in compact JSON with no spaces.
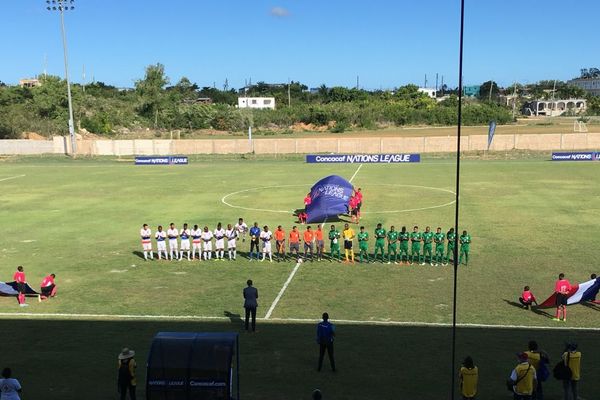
{"x":397,"y":243}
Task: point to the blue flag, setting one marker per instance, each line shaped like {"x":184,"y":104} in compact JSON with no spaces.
{"x":491,"y":133}
{"x":330,"y":197}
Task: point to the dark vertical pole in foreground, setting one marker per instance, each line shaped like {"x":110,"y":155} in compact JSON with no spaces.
{"x":456,"y":210}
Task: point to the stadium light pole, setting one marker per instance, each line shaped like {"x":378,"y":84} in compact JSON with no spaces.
{"x":61,"y":6}
{"x":457,"y":199}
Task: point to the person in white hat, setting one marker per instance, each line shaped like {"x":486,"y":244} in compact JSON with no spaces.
{"x":126,"y":381}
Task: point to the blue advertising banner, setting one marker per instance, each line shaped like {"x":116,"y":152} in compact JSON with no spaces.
{"x":362,"y":158}
{"x":161,"y":160}
{"x":577,"y":156}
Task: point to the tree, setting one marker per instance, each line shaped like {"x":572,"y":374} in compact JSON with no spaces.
{"x":489,"y":91}
{"x":151,"y":91}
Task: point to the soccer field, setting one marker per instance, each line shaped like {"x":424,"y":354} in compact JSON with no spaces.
{"x":529,"y":219}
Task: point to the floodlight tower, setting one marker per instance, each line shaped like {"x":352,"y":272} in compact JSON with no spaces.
{"x":61,"y":6}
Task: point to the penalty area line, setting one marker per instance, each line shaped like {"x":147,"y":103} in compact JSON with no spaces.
{"x":282,"y":291}
{"x":12,"y":177}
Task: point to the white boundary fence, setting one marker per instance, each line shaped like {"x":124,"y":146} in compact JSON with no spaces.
{"x":344,"y":144}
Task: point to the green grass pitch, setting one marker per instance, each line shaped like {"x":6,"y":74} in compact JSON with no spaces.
{"x":529,"y":218}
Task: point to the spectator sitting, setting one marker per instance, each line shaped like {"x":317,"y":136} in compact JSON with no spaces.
{"x":527,"y":298}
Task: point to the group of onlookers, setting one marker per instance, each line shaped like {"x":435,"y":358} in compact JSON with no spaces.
{"x":528,"y":377}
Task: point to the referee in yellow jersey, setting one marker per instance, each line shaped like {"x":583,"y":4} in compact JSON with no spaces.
{"x":348,"y":235}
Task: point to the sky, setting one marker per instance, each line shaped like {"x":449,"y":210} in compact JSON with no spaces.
{"x":385,"y":43}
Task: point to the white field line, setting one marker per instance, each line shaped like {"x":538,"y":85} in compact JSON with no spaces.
{"x":283,"y":288}
{"x":283,"y":320}
{"x":355,"y":172}
{"x":289,"y":279}
{"x":12,"y":177}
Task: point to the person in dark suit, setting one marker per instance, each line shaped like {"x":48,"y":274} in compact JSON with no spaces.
{"x":250,"y":304}
{"x":325,"y":336}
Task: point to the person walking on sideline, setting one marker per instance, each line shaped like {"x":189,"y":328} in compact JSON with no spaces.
{"x":467,"y":379}
{"x":250,"y":304}
{"x":572,"y":358}
{"x":523,"y":378}
{"x":126,"y":380}
{"x":562,"y":287}
{"x":10,"y":388}
{"x":325,"y":336}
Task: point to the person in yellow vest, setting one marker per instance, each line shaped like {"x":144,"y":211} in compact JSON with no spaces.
{"x":126,"y":380}
{"x":348,"y":235}
{"x":467,"y":379}
{"x":536,"y":357}
{"x":524,"y":379}
{"x":572,"y":359}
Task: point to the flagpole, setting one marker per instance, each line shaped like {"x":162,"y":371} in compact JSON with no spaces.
{"x":457,"y":191}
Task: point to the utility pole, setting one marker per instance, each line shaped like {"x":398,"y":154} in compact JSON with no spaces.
{"x":425,"y":81}
{"x":62,"y":6}
{"x":491,"y":87}
{"x":289,"y":94}
{"x":442,"y":85}
{"x":83,"y":78}
{"x":357,"y":82}
{"x":436,"y":84}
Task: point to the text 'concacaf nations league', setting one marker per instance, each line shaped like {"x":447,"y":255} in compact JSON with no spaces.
{"x":363,"y":158}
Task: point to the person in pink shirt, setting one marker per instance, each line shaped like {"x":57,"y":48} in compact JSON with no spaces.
{"x":48,"y":287}
{"x":527,"y":298}
{"x":19,"y":278}
{"x":562,"y":287}
{"x":353,"y":206}
{"x":359,"y":198}
{"x":307,"y":200}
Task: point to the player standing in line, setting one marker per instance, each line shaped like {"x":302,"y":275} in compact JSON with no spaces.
{"x":196,"y":234}
{"x":280,"y":243}
{"x":207,"y":237}
{"x":334,"y":243}
{"x":465,"y":242}
{"x":348,"y":235}
{"x":392,"y":237}
{"x":294,"y":242}
{"x":403,"y":236}
{"x":146,"y":235}
{"x":363,"y":245}
{"x":219,"y":234}
{"x":185,"y":242}
{"x":254,"y":241}
{"x":19,"y":278}
{"x":320,"y":242}
{"x":379,"y":242}
{"x":415,"y":250}
{"x":172,"y":234}
{"x":309,"y":238}
{"x":241,"y":229}
{"x":231,"y":234}
{"x":266,"y":237}
{"x":161,"y":245}
{"x":451,"y":237}
{"x":438,"y":238}
{"x":427,"y":246}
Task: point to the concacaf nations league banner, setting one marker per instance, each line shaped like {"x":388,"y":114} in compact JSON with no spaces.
{"x":362,"y":158}
{"x":330,"y":197}
{"x":576,"y":156}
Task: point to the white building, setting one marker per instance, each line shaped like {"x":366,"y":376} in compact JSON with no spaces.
{"x":428,"y":91}
{"x":256,"y":102}
{"x":590,"y":85}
